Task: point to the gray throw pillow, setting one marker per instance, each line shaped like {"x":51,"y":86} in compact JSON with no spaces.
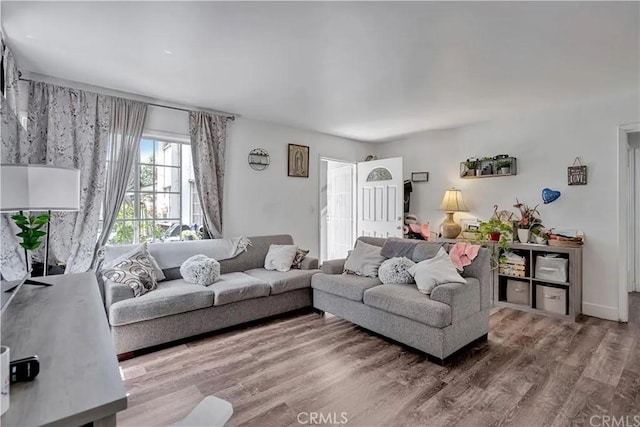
{"x":136,"y":272}
{"x":395,"y":271}
{"x":200,"y":270}
{"x":300,"y":255}
{"x":364,"y":260}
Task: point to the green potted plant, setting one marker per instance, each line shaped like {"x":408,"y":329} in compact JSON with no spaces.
{"x":529,"y":217}
{"x":471,"y":165}
{"x":493,"y":229}
{"x":540,"y":234}
{"x":504,"y":167}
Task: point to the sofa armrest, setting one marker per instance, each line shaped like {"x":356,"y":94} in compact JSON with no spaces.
{"x":115,"y":292}
{"x":463,"y":298}
{"x":333,"y":266}
{"x":309,"y":263}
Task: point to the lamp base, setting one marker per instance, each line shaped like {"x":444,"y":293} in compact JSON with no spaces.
{"x":449,"y":229}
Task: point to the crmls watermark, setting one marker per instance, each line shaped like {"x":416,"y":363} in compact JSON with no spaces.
{"x":319,"y":418}
{"x":613,"y":421}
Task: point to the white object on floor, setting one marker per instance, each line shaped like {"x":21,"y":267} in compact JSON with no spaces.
{"x":211,"y":412}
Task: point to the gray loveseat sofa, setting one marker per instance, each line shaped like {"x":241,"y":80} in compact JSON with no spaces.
{"x":454,"y":316}
{"x":176,"y":309}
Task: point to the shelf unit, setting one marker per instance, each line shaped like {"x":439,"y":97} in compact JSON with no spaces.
{"x":571,"y":289}
{"x":485,"y":165}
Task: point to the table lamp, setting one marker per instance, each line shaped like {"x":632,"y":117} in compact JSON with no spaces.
{"x":39,"y":188}
{"x":451,"y":203}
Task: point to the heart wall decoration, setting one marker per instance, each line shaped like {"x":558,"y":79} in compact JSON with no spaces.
{"x":549,"y":195}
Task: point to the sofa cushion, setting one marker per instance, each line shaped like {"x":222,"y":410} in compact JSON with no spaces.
{"x":280,"y":257}
{"x":170,"y":297}
{"x":255,"y":254}
{"x":407,"y":301}
{"x":234,"y":287}
{"x":364,"y":260}
{"x":427,"y":250}
{"x":347,"y":286}
{"x":281,"y":282}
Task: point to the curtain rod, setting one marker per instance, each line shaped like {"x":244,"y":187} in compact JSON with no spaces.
{"x":228,"y":117}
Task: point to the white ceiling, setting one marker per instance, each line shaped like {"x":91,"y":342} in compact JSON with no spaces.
{"x":368,"y":71}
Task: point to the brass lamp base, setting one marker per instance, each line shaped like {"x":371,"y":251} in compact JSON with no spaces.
{"x":449,"y":228}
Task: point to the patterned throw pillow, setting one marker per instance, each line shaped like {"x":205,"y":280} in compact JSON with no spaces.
{"x":300,"y":255}
{"x":395,"y":271}
{"x":136,"y":272}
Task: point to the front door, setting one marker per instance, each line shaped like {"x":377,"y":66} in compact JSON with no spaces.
{"x":340,"y":217}
{"x":380,"y":198}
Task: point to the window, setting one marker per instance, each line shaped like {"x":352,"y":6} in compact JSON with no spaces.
{"x":379,"y":174}
{"x":155,"y":208}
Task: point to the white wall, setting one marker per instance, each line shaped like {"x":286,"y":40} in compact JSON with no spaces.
{"x":268,"y":201}
{"x":545,"y":144}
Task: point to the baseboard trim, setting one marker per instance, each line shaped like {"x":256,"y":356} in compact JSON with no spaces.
{"x":601,"y":311}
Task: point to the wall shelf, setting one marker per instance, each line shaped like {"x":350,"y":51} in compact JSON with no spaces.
{"x":489,"y":168}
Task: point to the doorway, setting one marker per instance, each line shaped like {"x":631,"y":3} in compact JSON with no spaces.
{"x":337,"y":208}
{"x":628,"y":223}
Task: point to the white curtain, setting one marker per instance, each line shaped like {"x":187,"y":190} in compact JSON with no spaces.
{"x":208,"y":140}
{"x":70,"y":128}
{"x":125,"y":131}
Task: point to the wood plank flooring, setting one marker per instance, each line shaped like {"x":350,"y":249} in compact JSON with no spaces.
{"x":532,"y":371}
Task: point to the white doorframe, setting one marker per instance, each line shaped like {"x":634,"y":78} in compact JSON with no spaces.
{"x":321,"y":159}
{"x":623,"y":218}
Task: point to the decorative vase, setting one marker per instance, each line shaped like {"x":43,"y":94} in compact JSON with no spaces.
{"x":523,"y":235}
{"x":494,"y":236}
{"x":540,"y":240}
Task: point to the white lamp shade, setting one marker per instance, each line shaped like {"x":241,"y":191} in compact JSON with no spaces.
{"x":39,"y":188}
{"x":452,"y":201}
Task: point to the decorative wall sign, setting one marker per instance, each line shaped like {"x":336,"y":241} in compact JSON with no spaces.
{"x":419,"y":176}
{"x":259,"y":159}
{"x":577,"y":173}
{"x":549,"y":195}
{"x":298,"y":161}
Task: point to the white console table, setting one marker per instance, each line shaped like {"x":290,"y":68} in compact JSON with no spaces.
{"x":66,"y":326}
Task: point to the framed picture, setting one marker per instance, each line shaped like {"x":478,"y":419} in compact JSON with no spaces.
{"x":298,"y":161}
{"x":470,"y":224}
{"x":419,"y":176}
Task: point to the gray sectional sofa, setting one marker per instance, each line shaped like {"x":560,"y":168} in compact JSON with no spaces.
{"x":452,"y":317}
{"x":176,"y":309}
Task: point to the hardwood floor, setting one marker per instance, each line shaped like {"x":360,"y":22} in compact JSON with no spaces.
{"x":532,"y":371}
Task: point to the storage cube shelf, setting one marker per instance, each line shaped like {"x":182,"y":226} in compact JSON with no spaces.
{"x":549,"y":294}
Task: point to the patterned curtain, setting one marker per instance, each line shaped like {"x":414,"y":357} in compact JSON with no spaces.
{"x":12,"y":257}
{"x":13,"y":135}
{"x":70,"y":127}
{"x":11,"y":78}
{"x":208,"y":139}
{"x":125,"y":130}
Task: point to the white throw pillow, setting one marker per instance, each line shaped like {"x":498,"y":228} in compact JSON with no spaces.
{"x":364,"y":260}
{"x":280,"y":257}
{"x":435,"y":271}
